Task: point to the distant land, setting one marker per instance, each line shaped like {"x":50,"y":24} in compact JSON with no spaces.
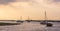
{"x":34,"y":20}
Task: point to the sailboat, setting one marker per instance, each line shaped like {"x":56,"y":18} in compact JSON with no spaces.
{"x":28,"y":20}
{"x":20,"y":21}
{"x":45,"y":21}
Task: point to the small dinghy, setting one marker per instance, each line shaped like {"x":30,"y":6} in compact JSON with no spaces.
{"x":49,"y":25}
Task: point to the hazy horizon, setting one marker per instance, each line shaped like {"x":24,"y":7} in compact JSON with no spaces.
{"x":35,"y":9}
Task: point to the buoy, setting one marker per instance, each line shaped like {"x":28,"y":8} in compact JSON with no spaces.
{"x":49,"y":25}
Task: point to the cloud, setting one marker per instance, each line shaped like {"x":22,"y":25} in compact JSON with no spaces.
{"x":6,"y":1}
{"x":23,"y":0}
{"x":53,"y":0}
{"x":56,"y":0}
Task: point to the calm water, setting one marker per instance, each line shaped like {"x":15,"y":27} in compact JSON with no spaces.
{"x":32,"y":26}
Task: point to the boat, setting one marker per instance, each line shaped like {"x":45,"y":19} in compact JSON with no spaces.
{"x":45,"y":22}
{"x":20,"y":21}
{"x":28,"y":20}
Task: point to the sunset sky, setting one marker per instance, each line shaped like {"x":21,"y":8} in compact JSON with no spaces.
{"x":35,"y":9}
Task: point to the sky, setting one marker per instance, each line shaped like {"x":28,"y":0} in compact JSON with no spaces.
{"x":34,"y":9}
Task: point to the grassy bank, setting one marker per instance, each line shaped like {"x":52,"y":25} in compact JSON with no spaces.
{"x":1,"y":23}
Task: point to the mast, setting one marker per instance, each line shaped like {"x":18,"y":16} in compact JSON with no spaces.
{"x":28,"y":18}
{"x":20,"y":17}
{"x":45,"y":16}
